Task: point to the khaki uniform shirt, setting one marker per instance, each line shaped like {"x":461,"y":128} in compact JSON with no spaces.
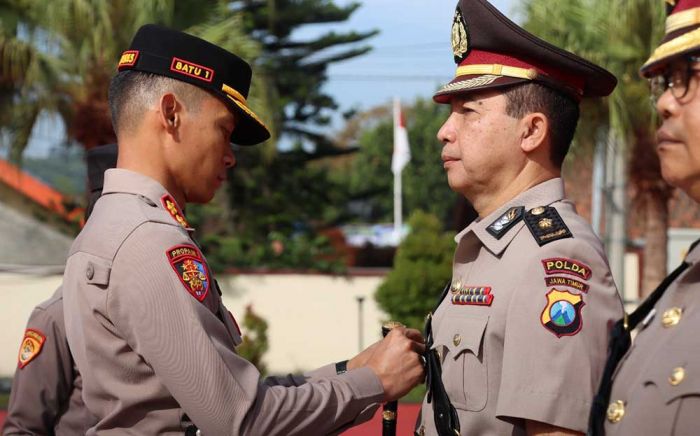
{"x":156,"y":346}
{"x":523,"y":333}
{"x":656,"y":387}
{"x":46,"y":390}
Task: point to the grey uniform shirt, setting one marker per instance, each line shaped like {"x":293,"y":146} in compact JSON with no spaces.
{"x":523,"y":332}
{"x":46,"y":390}
{"x":156,"y":346}
{"x":656,"y":387}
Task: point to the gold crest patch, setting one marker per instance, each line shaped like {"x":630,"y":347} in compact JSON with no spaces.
{"x":31,"y":346}
{"x":128,"y":58}
{"x":460,"y":37}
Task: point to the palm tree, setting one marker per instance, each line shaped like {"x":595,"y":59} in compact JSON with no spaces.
{"x":619,"y":34}
{"x":74,"y":45}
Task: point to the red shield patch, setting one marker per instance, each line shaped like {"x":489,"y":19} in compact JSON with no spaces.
{"x":31,"y":346}
{"x":191,"y":269}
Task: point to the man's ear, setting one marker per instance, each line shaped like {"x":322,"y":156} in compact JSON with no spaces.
{"x":534,"y":131}
{"x":170,"y":112}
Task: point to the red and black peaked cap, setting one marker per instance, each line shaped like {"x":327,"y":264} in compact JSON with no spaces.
{"x":159,"y":50}
{"x":682,"y":35}
{"x":492,"y":51}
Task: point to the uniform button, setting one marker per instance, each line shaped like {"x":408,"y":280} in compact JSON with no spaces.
{"x":90,"y":271}
{"x":616,"y":410}
{"x":677,"y":376}
{"x":457,"y":339}
{"x":672,"y":317}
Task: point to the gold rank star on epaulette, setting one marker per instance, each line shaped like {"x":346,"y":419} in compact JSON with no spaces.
{"x":546,"y":225}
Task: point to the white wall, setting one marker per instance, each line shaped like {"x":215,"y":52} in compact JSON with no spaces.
{"x":313,"y":319}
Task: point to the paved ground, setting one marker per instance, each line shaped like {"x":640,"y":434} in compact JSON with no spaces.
{"x":407,"y":419}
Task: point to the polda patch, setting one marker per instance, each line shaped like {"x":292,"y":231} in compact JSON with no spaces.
{"x":32,"y":343}
{"x":191,"y":269}
{"x":191,"y":69}
{"x":562,"y":313}
{"x":174,"y":210}
{"x":562,"y":265}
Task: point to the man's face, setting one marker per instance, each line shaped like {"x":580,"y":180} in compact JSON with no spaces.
{"x":678,"y":138}
{"x":481,"y":144}
{"x":204,"y":151}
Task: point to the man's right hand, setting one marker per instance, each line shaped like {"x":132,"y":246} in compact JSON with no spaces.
{"x":397,"y":361}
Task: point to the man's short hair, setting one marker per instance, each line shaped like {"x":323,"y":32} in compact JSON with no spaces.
{"x":561,"y":110}
{"x":131,"y":93}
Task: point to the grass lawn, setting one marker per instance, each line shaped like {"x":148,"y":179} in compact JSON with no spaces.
{"x":415,"y":396}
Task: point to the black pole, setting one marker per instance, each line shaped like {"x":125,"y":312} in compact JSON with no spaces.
{"x":389,"y":412}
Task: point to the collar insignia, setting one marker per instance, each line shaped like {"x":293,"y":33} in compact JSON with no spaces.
{"x":546,"y":225}
{"x":31,"y":346}
{"x":460,"y":37}
{"x":504,"y":222}
{"x":173,"y":209}
{"x":562,"y":314}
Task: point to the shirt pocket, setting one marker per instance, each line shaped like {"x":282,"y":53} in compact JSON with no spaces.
{"x":677,"y":384}
{"x":464,"y":371}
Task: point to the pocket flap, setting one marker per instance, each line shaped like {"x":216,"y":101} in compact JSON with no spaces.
{"x":461,"y":333}
{"x":676,"y":380}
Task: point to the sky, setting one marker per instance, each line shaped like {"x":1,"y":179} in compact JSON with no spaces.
{"x":411,"y":57}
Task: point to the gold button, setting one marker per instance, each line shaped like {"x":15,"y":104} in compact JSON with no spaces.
{"x":671,"y":317}
{"x":457,"y":339}
{"x":677,"y":376}
{"x":616,"y":410}
{"x":537,"y":211}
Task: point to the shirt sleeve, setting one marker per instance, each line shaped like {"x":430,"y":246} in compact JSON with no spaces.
{"x":42,"y":387}
{"x":191,"y":354}
{"x":556,"y":335}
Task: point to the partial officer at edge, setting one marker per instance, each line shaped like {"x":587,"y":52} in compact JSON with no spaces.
{"x":144,"y":316}
{"x":652,"y":386}
{"x":522,"y":330}
{"x":47,"y":387}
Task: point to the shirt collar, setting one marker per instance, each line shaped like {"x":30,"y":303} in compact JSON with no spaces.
{"x":543,"y":194}
{"x":118,"y":180}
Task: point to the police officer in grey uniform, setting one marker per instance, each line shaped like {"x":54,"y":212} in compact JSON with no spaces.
{"x":652,"y":385}
{"x":144,"y":317}
{"x":521,"y":332}
{"x":47,"y":387}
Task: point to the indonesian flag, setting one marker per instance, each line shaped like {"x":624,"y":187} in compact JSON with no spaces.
{"x":402,"y":152}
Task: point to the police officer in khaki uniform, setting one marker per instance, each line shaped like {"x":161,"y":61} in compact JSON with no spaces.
{"x":521,"y":332}
{"x":655,"y":387}
{"x":144,"y":317}
{"x":47,"y":387}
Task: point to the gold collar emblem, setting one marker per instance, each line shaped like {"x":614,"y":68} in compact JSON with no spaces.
{"x":460,"y":39}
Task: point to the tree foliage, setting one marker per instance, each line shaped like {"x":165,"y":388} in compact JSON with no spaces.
{"x":255,"y":343}
{"x":422,"y":266}
{"x":368,"y":176}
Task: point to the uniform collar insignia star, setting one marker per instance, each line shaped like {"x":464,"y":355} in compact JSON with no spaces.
{"x":174,"y":210}
{"x":504,"y":222}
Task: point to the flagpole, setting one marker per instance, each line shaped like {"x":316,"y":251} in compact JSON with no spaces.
{"x":397,"y":178}
{"x":397,"y":206}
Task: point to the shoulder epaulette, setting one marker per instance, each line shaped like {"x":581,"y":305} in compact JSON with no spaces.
{"x":546,"y":225}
